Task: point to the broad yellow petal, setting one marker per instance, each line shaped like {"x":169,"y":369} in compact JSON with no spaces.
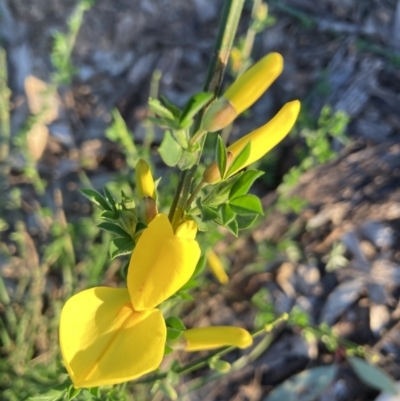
{"x":205,"y":338}
{"x":104,"y":341}
{"x":188,"y":229}
{"x":161,"y":263}
{"x":254,"y":82}
{"x":265,"y":138}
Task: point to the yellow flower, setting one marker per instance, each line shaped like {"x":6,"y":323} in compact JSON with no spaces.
{"x":205,"y":338}
{"x":246,"y":90}
{"x":109,"y":335}
{"x":262,"y":140}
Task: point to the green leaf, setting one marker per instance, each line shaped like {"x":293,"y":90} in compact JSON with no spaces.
{"x":194,"y":105}
{"x":157,"y":108}
{"x":220,"y":192}
{"x":221,"y":156}
{"x":96,"y":198}
{"x":164,"y":123}
{"x":246,"y":204}
{"x":115,"y":229}
{"x":240,"y":159}
{"x":207,"y":213}
{"x":246,"y":221}
{"x":187,"y":160}
{"x":226,"y":214}
{"x":190,"y":284}
{"x":305,"y":386}
{"x":233,"y":228}
{"x":110,"y":198}
{"x":171,"y":107}
{"x":200,"y":224}
{"x":121,"y":246}
{"x":73,"y":392}
{"x":173,"y":334}
{"x":170,"y":150}
{"x":175,"y":323}
{"x":244,"y":183}
{"x":107,"y":214}
{"x":181,"y":136}
{"x":168,"y":350}
{"x":372,"y":376}
{"x":95,"y":391}
{"x":51,"y":395}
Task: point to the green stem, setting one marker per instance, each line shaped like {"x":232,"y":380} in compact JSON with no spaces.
{"x":226,"y":33}
{"x":193,"y":195}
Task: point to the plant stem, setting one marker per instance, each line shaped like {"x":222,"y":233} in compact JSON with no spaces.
{"x":226,"y":33}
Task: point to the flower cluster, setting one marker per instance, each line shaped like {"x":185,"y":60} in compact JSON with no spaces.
{"x":112,"y":335}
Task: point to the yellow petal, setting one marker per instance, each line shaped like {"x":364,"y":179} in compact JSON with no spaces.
{"x":188,"y":229}
{"x":144,"y":180}
{"x":216,"y":267}
{"x":205,"y":338}
{"x":104,"y":341}
{"x":161,"y":263}
{"x":254,"y":82}
{"x":269,"y":135}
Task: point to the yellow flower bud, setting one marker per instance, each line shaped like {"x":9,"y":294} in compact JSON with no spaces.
{"x":243,"y":92}
{"x":248,"y":88}
{"x":262,"y":140}
{"x":216,"y":267}
{"x":144,"y":180}
{"x":206,"y":338}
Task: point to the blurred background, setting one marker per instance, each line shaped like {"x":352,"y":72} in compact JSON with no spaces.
{"x":75,"y":78}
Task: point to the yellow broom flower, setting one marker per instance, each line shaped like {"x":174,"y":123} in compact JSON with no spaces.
{"x":245,"y":91}
{"x":109,"y":335}
{"x":262,"y":140}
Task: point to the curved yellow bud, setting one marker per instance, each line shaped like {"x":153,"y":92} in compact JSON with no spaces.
{"x":205,"y":338}
{"x":144,"y":180}
{"x":161,"y":263}
{"x":216,"y":267}
{"x":262,"y":140}
{"x":248,"y":88}
{"x":265,"y":138}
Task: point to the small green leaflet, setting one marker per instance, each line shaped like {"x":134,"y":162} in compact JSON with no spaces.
{"x":120,"y":246}
{"x":372,"y":376}
{"x":246,"y":204}
{"x":157,"y":108}
{"x":96,"y":198}
{"x":110,"y":198}
{"x":246,"y":221}
{"x":240,"y":159}
{"x":187,"y":160}
{"x":221,"y":156}
{"x":175,"y":323}
{"x":170,"y":150}
{"x":244,"y":183}
{"x":194,"y":105}
{"x":115,"y":229}
{"x":226,"y":214}
{"x":233,"y":227}
{"x":171,"y":107}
